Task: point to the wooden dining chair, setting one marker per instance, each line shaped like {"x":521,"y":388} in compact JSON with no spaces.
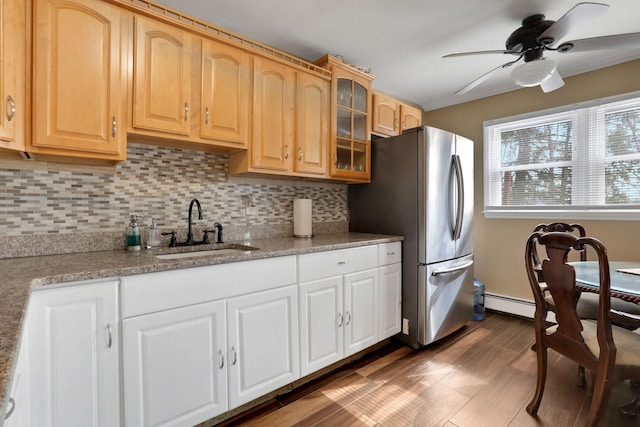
{"x":608,"y":351}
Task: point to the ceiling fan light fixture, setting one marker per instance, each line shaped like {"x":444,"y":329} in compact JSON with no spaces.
{"x":533,"y":73}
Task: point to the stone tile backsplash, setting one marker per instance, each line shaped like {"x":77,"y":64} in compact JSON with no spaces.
{"x":159,"y":182}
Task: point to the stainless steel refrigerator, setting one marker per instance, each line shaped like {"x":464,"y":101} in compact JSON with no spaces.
{"x":422,"y":188}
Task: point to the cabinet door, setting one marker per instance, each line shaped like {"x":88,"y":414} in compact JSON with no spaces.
{"x":360,"y":310}
{"x":73,"y":356}
{"x":79,"y":82}
{"x":386,"y":115}
{"x":263,"y":343}
{"x":390,"y":299}
{"x":174,"y":366}
{"x":312,"y":112}
{"x":225,"y":93}
{"x":321,"y":324}
{"x":161,"y":77}
{"x":273,"y":115}
{"x":12,"y":74}
{"x":17,"y":414}
{"x":410,"y":117}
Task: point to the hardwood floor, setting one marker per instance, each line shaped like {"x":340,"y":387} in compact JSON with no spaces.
{"x":482,"y":376}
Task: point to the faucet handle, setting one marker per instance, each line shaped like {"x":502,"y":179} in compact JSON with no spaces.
{"x":173,"y":242}
{"x":219,"y":227}
{"x":205,"y":238}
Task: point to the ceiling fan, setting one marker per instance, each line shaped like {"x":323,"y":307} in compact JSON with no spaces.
{"x":537,"y":35}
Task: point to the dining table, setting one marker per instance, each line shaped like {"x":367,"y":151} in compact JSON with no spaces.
{"x":624,"y":277}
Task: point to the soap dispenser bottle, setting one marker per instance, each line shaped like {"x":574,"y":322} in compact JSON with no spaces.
{"x":133,"y":234}
{"x":153,"y":234}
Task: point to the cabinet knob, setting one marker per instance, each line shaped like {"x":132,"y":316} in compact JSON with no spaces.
{"x":114,"y":126}
{"x":11,"y":403}
{"x":286,"y":151}
{"x":221,"y":359}
{"x":300,"y":154}
{"x":404,"y":125}
{"x":11,"y":108}
{"x":348,"y":315}
{"x":206,"y":115}
{"x":109,"y":336}
{"x":235,"y":355}
{"x":395,"y":126}
{"x":340,"y":320}
{"x":186,"y":111}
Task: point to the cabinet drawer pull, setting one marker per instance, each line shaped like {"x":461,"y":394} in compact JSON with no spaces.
{"x":186,"y":111}
{"x":206,"y":115}
{"x":395,"y":126}
{"x":300,"y":154}
{"x":286,"y":151}
{"x":114,"y":126}
{"x":235,"y":355}
{"x":11,"y":108}
{"x":221,"y":359}
{"x":340,"y":320}
{"x":343,"y":262}
{"x":11,"y":403}
{"x":390,"y":253}
{"x":348,"y":319}
{"x":109,"y":336}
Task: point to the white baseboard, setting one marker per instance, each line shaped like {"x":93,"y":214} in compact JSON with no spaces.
{"x":511,"y":305}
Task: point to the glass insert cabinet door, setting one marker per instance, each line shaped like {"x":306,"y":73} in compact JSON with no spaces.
{"x":352,"y":146}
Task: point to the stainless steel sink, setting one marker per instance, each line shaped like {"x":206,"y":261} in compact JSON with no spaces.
{"x":233,"y":250}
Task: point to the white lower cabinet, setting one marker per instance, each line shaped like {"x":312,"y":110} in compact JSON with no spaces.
{"x":185,"y":365}
{"x":263,"y":343}
{"x":338,"y":305}
{"x":73,"y":356}
{"x":18,"y":413}
{"x":174,"y":366}
{"x":390,"y":300}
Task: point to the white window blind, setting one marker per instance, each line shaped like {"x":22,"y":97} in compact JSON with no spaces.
{"x":580,"y":161}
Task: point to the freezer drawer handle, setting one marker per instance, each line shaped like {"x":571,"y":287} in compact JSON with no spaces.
{"x":12,"y":402}
{"x":343,"y":262}
{"x":453,"y":269}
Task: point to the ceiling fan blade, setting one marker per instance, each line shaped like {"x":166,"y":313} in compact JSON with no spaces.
{"x":579,"y":13}
{"x":483,"y":52}
{"x":616,"y":41}
{"x":484,"y":77}
{"x":552,"y":83}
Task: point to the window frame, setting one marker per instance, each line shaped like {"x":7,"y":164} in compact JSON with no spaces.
{"x":584,"y":116}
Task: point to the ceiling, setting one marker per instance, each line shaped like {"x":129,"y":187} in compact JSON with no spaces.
{"x":403,"y":42}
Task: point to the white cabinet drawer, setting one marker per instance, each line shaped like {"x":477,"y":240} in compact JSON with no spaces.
{"x":148,"y":293}
{"x":332,"y":263}
{"x":389,"y":253}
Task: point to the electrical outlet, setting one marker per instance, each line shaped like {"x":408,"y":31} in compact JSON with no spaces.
{"x":405,"y":326}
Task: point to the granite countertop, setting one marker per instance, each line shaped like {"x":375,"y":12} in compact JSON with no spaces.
{"x":23,"y":275}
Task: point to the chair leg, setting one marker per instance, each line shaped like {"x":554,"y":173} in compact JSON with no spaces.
{"x":541,"y":351}
{"x":601,"y":391}
{"x":582,"y":380}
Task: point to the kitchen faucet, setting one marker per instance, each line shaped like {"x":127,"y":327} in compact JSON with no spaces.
{"x":190,"y":232}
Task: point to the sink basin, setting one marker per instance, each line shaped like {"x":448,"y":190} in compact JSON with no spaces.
{"x":209,"y":252}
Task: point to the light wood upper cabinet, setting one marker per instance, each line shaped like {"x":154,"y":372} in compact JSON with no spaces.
{"x":273,"y":115}
{"x":392,"y":117}
{"x":13,"y":108}
{"x":79,"y":81}
{"x":161,"y":77}
{"x":386,"y":115}
{"x":410,"y":117}
{"x":226,"y":84}
{"x":350,"y":152}
{"x":312,"y":112}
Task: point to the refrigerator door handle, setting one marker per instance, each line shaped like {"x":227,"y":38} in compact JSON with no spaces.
{"x":452,"y":269}
{"x":457,"y":167}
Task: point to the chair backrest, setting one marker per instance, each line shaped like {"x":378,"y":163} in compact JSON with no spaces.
{"x":560,"y":280}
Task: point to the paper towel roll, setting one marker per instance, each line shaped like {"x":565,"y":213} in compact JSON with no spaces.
{"x":302,"y":218}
